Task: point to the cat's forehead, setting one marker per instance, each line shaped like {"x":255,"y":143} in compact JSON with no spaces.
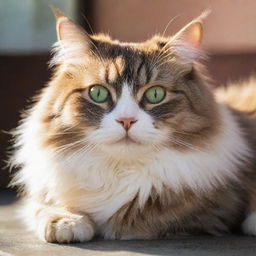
{"x":110,"y":47}
{"x":132,"y":63}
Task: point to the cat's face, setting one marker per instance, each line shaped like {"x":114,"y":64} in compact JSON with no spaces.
{"x":127,"y":99}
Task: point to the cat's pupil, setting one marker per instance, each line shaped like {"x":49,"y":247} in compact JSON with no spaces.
{"x":155,"y":93}
{"x":98,"y":93}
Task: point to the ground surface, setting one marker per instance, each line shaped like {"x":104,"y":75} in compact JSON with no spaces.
{"x":15,"y":241}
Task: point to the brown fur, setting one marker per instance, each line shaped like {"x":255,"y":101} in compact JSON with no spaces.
{"x":183,"y":213}
{"x":189,"y":114}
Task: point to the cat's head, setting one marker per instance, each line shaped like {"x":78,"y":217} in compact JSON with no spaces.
{"x":127,"y":99}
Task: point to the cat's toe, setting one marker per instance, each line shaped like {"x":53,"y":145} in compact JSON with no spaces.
{"x":69,"y":229}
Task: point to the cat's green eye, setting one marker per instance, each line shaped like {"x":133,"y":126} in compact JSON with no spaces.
{"x":155,"y":94}
{"x":98,"y":93}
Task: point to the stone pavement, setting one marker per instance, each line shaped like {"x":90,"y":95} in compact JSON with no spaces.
{"x":14,"y":240}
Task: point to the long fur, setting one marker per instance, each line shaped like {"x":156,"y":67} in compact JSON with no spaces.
{"x":188,"y":166}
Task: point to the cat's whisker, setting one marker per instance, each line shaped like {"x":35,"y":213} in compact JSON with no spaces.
{"x":69,"y":146}
{"x":157,"y":148}
{"x":71,"y":127}
{"x":82,"y":151}
{"x":186,"y":144}
{"x":202,"y":140}
{"x":62,"y":133}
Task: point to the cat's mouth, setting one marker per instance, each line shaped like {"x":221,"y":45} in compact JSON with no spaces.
{"x":127,"y":140}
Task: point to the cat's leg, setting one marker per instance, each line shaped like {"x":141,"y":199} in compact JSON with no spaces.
{"x":249,"y":225}
{"x":54,"y":224}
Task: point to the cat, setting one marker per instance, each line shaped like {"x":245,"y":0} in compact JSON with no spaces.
{"x":128,"y":141}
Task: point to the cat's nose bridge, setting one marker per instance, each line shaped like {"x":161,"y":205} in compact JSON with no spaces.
{"x":127,"y":109}
{"x":126,"y":106}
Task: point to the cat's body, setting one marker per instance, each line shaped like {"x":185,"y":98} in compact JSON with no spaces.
{"x":131,"y":166}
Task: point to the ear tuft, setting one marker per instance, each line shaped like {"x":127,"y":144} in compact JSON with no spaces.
{"x":58,"y":14}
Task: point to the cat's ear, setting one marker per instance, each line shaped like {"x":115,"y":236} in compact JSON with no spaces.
{"x":187,"y":41}
{"x":73,"y":41}
{"x":67,"y":29}
{"x":191,"y":35}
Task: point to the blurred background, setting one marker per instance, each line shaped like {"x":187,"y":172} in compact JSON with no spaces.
{"x":27,"y":31}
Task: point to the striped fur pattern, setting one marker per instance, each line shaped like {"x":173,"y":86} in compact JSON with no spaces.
{"x":185,"y":166}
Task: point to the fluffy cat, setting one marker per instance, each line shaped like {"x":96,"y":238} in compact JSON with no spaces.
{"x":127,"y":141}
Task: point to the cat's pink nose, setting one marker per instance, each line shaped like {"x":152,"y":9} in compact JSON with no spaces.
{"x":126,"y":122}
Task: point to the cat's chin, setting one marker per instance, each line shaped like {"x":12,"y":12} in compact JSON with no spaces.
{"x":125,"y":148}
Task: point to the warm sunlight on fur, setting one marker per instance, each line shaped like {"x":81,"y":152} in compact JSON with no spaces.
{"x":240,"y":96}
{"x":128,"y":142}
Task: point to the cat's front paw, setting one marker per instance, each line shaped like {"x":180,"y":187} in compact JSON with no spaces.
{"x":68,"y":229}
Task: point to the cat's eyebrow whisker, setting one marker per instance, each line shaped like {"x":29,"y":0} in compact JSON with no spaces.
{"x":88,"y":23}
{"x":165,"y":53}
{"x":160,"y":60}
{"x":167,"y":46}
{"x":98,"y":55}
{"x":163,"y":59}
{"x":161,"y":63}
{"x":162,"y":54}
{"x":155,"y":60}
{"x":159,"y":56}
